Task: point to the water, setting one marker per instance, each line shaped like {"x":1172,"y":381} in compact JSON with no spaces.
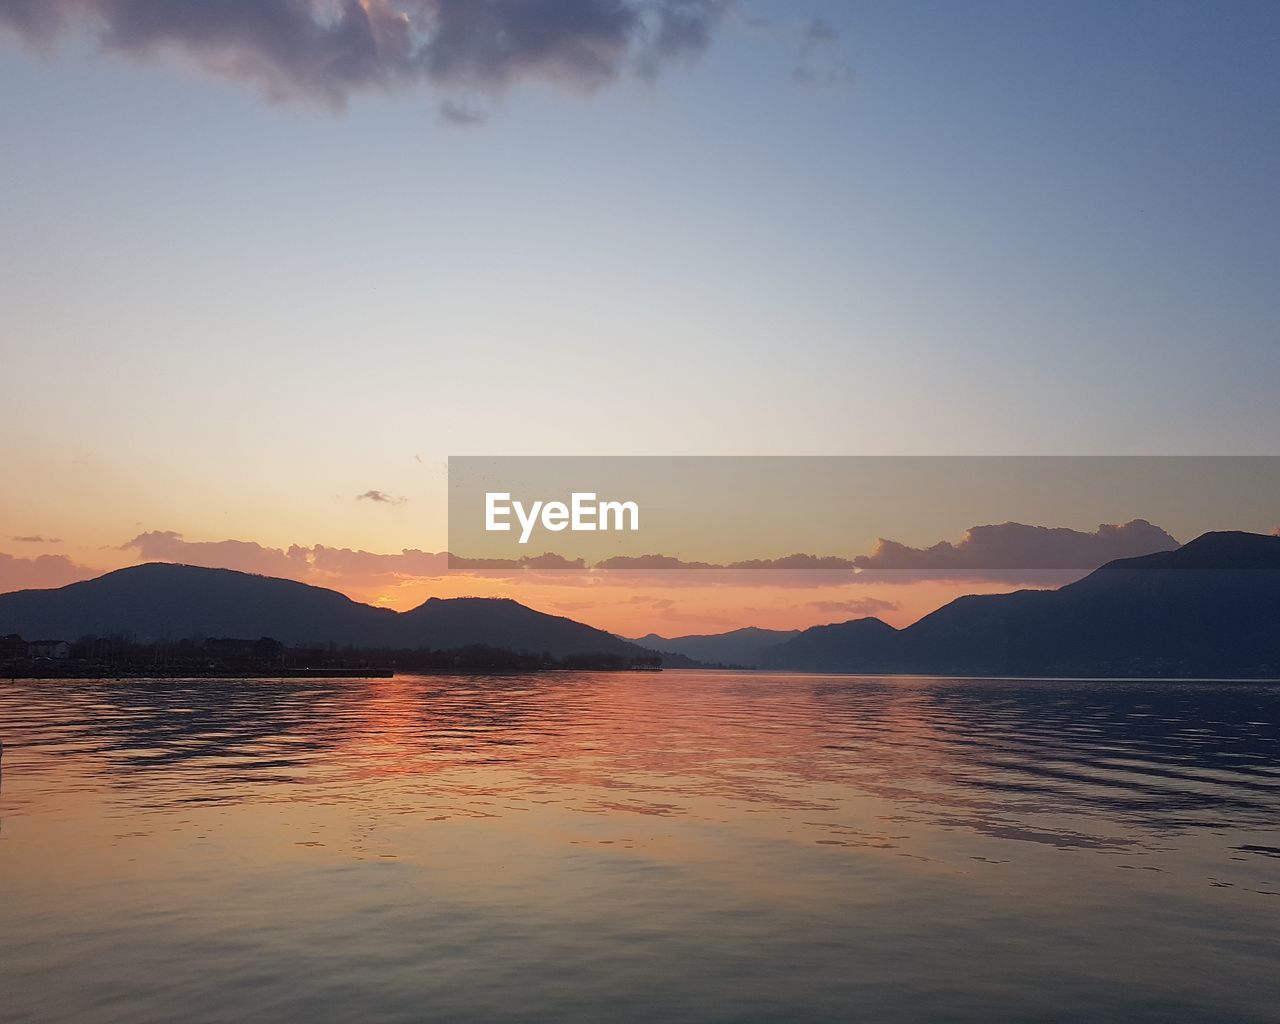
{"x":617,"y":847}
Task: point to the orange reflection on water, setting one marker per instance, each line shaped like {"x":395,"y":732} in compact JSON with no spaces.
{"x":532,"y":839}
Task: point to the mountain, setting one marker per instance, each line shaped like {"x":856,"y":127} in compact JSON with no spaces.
{"x":832,"y":648}
{"x":743,"y":647}
{"x":501,"y":622}
{"x":1209,"y":608}
{"x":165,"y":601}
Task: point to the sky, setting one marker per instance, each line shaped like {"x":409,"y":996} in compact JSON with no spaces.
{"x":256,"y":268}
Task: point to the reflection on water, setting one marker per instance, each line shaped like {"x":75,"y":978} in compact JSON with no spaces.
{"x":683,"y":846}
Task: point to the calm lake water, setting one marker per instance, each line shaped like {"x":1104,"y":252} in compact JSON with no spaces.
{"x":639,"y":847}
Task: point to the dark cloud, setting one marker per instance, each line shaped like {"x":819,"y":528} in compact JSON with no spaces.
{"x":380,"y":498}
{"x":329,"y":49}
{"x":39,"y":573}
{"x":37,"y":21}
{"x":1013,"y":550}
{"x":37,"y":539}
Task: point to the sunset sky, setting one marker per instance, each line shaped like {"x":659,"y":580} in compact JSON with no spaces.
{"x":258,"y":283}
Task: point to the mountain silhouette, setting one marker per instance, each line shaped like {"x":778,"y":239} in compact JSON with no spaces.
{"x":1209,"y":608}
{"x":740,"y":647}
{"x":500,"y":622}
{"x":161,"y":600}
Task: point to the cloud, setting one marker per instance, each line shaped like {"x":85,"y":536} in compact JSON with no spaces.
{"x":819,"y":62}
{"x":370,"y":567}
{"x":646,"y":563}
{"x":818,"y":35}
{"x":39,"y":573}
{"x":798,"y":570}
{"x":242,"y":555}
{"x":1014,"y":551}
{"x":681,"y":33}
{"x":807,"y":563}
{"x":345,"y":568}
{"x":338,"y":567}
{"x":650,"y":602}
{"x":1011,"y":552}
{"x":37,"y":539}
{"x":309,"y":564}
{"x":545,"y":562}
{"x":461,"y":115}
{"x":328,"y":50}
{"x":380,"y":498}
{"x":855,"y":606}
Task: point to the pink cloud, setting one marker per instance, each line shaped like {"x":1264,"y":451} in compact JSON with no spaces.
{"x":242,"y":555}
{"x":40,"y":573}
{"x":855,"y":606}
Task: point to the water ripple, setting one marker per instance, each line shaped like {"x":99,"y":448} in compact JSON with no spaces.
{"x":683,"y":846}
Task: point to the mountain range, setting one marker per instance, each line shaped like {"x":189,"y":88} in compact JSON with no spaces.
{"x":1210,"y":608}
{"x":160,"y":600}
{"x":740,"y":647}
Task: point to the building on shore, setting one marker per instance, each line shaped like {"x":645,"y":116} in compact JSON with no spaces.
{"x":55,"y":649}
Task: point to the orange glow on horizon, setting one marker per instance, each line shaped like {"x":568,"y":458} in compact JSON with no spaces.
{"x":685,"y":608}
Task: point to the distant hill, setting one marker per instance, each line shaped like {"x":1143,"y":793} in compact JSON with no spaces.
{"x":1209,"y":608}
{"x":501,"y":622}
{"x":741,"y":647}
{"x":165,"y":601}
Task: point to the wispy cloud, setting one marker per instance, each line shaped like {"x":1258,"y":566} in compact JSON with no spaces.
{"x":819,"y":59}
{"x":461,"y":114}
{"x":328,"y":50}
{"x":855,"y":606}
{"x":37,"y":539}
{"x":381,"y":498}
